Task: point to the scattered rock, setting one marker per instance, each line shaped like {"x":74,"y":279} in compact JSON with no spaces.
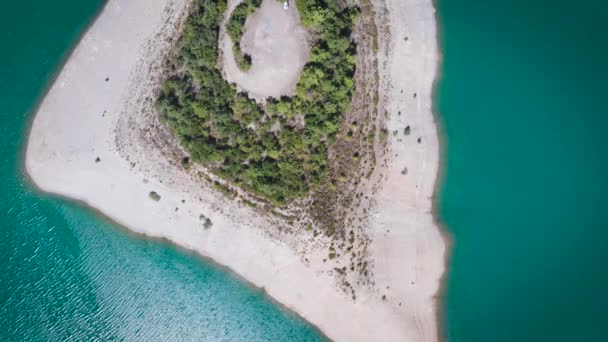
{"x":404,"y":171}
{"x":415,"y":94}
{"x":107,"y":79}
{"x":97,"y":160}
{"x":407,"y":130}
{"x":419,"y":140}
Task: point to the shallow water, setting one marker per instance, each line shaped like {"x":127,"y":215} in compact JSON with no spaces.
{"x":523,"y":106}
{"x":66,"y":274}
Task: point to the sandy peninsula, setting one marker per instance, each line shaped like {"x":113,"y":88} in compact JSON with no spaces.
{"x":95,"y":138}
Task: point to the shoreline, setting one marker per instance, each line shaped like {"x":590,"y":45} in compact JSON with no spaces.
{"x":446,"y":234}
{"x":192,"y":248}
{"x":163,"y":240}
{"x":46,"y":88}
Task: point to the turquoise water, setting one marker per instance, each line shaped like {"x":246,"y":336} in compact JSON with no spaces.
{"x":65,"y":274}
{"x":523,"y":105}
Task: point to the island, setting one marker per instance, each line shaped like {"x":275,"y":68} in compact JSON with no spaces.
{"x":292,"y":142}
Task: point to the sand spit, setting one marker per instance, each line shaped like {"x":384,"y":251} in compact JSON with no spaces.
{"x":95,"y":138}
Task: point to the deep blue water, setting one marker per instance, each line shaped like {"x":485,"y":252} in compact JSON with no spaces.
{"x":522,"y":100}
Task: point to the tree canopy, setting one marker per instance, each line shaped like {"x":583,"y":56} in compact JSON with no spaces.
{"x":264,"y":149}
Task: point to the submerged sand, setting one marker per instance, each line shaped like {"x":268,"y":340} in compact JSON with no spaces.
{"x":95,"y":138}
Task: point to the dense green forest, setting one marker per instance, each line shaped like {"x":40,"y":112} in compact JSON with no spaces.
{"x":280,"y":150}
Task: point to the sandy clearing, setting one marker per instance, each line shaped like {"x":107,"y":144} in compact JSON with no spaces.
{"x":278,"y":46}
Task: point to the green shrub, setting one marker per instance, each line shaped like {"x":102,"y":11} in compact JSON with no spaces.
{"x":154,"y":196}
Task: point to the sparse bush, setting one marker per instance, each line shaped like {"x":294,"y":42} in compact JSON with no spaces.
{"x":206,"y":221}
{"x":154,"y":196}
{"x":383,"y":135}
{"x":249,"y":203}
{"x":185,"y":163}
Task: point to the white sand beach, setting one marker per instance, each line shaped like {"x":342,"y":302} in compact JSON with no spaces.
{"x":95,"y":139}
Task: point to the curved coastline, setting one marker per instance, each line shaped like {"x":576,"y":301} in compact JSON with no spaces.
{"x":446,"y":234}
{"x":437,"y":182}
{"x":46,"y":88}
{"x":164,"y":240}
{"x":439,"y":178}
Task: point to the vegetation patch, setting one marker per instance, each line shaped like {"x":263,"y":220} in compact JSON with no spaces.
{"x":236,"y":27}
{"x":154,"y":196}
{"x":205,"y":221}
{"x":280,"y":150}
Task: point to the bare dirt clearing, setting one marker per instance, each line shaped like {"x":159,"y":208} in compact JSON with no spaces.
{"x":278,"y":46}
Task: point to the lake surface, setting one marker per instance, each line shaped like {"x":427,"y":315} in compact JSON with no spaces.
{"x":66,"y":274}
{"x":523,"y":102}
